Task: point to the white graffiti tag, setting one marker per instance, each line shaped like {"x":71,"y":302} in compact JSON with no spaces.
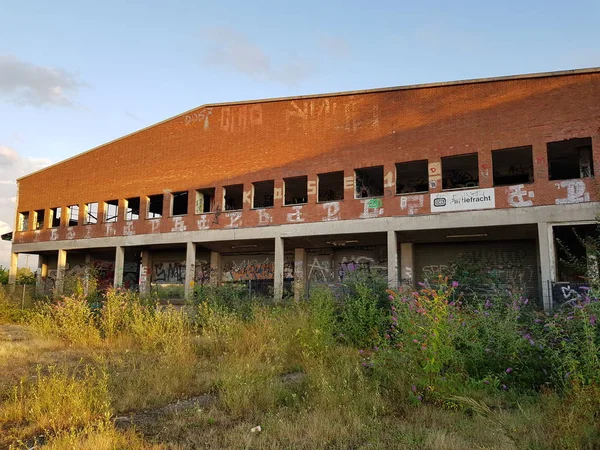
{"x":517,"y":194}
{"x":576,"y":192}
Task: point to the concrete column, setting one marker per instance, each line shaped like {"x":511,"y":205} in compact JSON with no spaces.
{"x":547,"y":257}
{"x":300,"y":277}
{"x":12,"y":271}
{"x":407,"y":264}
{"x":392,"y":258}
{"x":278,"y":269}
{"x":190,"y":269}
{"x":42,"y":274}
{"x":61,"y":267}
{"x":216,"y":273}
{"x":119,"y":263}
{"x":145,"y":272}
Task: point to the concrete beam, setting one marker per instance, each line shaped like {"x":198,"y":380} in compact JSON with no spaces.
{"x":407,"y":264}
{"x":300,"y":271}
{"x":119,"y":264}
{"x":278,"y":269}
{"x":392,"y":259}
{"x":190,"y":269}
{"x":61,"y":267}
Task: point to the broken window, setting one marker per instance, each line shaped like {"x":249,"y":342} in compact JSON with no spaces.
{"x":460,"y":171}
{"x":205,"y":200}
{"x":91,"y":213}
{"x":73,"y":211}
{"x":296,"y":190}
{"x":179,"y":203}
{"x":55,"y":214}
{"x":38,"y":218}
{"x":155,"y":206}
{"x":263,"y":194}
{"x":570,"y":159}
{"x":111,"y":210}
{"x":576,"y":252}
{"x":132,"y":208}
{"x":512,"y":166}
{"x":369,"y":182}
{"x":331,"y":186}
{"x":412,"y":176}
{"x":23,"y":221}
{"x":234,"y":197}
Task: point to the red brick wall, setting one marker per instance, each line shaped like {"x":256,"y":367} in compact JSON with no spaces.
{"x":222,"y":145}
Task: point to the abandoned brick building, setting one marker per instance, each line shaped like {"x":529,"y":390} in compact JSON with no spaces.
{"x":300,"y":191}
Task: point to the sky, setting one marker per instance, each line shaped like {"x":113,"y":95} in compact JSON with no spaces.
{"x":77,"y":74}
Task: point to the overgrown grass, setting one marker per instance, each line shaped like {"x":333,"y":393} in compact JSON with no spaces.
{"x":370,"y":368}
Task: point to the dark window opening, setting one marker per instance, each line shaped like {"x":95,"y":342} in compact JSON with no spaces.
{"x":73,"y":215}
{"x":369,"y":182}
{"x":460,"y":171}
{"x":263,"y":194}
{"x":155,"y":206}
{"x":570,"y":159}
{"x":412,"y":176}
{"x":23,"y":221}
{"x":576,"y":257}
{"x":91,"y":213}
{"x":234,"y":197}
{"x":55,"y":214}
{"x":512,"y":166}
{"x":111,"y":210}
{"x":331,"y":186}
{"x":296,"y":190}
{"x":180,"y":203}
{"x":40,"y":214}
{"x":205,"y":200}
{"x":132,"y":208}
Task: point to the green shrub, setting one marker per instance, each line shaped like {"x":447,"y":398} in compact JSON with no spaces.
{"x":362,"y":320}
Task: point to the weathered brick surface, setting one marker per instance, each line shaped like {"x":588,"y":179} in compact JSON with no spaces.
{"x":222,"y":145}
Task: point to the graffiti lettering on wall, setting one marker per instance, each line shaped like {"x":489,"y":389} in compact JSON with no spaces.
{"x":169,"y":272}
{"x":178,"y":224}
{"x":248,"y":269}
{"x":217,"y":215}
{"x":371,"y":208}
{"x":322,"y":268}
{"x":517,"y":194}
{"x":296,"y":216}
{"x":238,"y":119}
{"x":264,"y":218}
{"x":128,"y":229}
{"x":412,"y":203}
{"x":53,"y":234}
{"x":576,"y":192}
{"x":433,"y":270}
{"x":235,"y":219}
{"x":333,"y":211}
{"x":202,"y":223}
{"x":70,"y":233}
{"x":200,"y":117}
{"x":310,"y":114}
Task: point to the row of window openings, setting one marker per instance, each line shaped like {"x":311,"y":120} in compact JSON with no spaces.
{"x":566,"y":160}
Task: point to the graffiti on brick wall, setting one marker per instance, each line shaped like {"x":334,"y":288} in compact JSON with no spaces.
{"x":323,"y":268}
{"x":171,"y":272}
{"x":199,"y":118}
{"x":178,"y":224}
{"x":372,"y":208}
{"x":255,"y":268}
{"x":333,"y":211}
{"x":576,"y":192}
{"x":312,"y":114}
{"x":295,"y":216}
{"x":235,"y":219}
{"x":518,"y":197}
{"x":264,"y":218}
{"x":412,"y":203}
{"x":238,"y":119}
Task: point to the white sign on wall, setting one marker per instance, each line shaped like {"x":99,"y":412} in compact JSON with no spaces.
{"x":463,"y":200}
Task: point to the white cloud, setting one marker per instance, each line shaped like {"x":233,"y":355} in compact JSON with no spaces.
{"x":230,"y":49}
{"x":24,"y":83}
{"x":12,"y":166}
{"x":334,"y":46}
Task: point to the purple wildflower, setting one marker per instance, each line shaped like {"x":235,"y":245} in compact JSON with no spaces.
{"x":413,"y":388}
{"x":509,"y":370}
{"x":455,"y":284}
{"x":504,"y":387}
{"x":593,"y":320}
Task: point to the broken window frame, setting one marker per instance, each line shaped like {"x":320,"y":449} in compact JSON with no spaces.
{"x":177,"y":202}
{"x":329,"y":188}
{"x":299,"y":183}
{"x":130,"y":211}
{"x":362,"y":187}
{"x":111,"y":211}
{"x":73,"y":218}
{"x":233,"y":197}
{"x":421,"y":188}
{"x":55,"y":216}
{"x":205,"y":193}
{"x":520,"y":175}
{"x":23,"y":223}
{"x":577,"y":146}
{"x":39,"y":224}
{"x":155,"y":200}
{"x":267,"y":202}
{"x":468,"y":181}
{"x":91,"y":213}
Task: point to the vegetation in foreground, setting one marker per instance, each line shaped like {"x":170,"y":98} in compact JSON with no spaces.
{"x":372,"y":368}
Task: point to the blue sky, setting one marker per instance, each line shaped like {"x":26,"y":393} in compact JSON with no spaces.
{"x":76,"y":74}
